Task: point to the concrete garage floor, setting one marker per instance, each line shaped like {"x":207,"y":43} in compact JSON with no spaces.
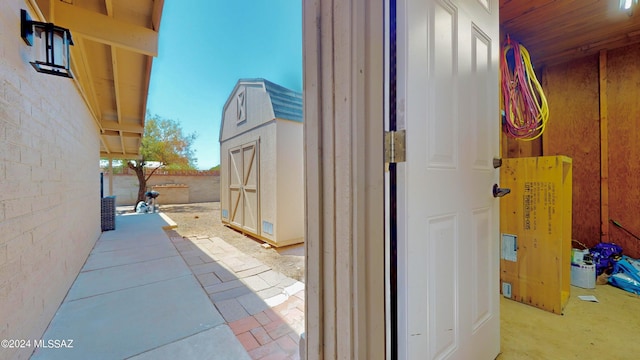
{"x":608,"y":329}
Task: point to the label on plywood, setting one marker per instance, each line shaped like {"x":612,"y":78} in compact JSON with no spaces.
{"x":509,"y":247}
{"x":506,"y":290}
{"x":539,"y":200}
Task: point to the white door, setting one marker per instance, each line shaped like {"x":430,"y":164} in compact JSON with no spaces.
{"x":448,"y":255}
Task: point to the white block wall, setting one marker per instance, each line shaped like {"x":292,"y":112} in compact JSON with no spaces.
{"x":202,"y":188}
{"x":49,"y":187}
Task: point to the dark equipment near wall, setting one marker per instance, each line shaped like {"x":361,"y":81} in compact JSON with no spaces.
{"x":625,"y":230}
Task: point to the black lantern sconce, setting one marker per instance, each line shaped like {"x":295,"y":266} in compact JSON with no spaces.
{"x":51,"y":43}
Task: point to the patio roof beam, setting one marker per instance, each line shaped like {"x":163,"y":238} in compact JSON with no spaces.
{"x":122,"y":146}
{"x":105,"y":29}
{"x":112,"y":125}
{"x":119,"y":156}
{"x":104,"y":143}
{"x":114,"y":66}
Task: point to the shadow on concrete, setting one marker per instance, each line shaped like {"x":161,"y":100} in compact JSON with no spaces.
{"x":148,"y":293}
{"x":263,"y":308}
{"x":136,"y":298}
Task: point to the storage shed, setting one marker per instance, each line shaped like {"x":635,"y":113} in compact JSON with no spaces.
{"x":261,"y":162}
{"x":586,"y":55}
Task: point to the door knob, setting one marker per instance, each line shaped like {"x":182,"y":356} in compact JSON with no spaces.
{"x":500,"y":192}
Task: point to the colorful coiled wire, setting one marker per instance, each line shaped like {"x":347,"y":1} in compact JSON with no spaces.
{"x":524,"y":105}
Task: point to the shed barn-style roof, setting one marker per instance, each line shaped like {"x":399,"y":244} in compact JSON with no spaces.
{"x":114,"y":44}
{"x":285,"y":103}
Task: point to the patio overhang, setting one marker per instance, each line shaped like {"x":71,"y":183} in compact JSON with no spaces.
{"x":114,"y":44}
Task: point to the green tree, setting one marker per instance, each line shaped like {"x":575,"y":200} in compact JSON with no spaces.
{"x":164,"y":142}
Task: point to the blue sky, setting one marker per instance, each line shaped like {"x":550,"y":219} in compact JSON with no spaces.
{"x":206,"y":46}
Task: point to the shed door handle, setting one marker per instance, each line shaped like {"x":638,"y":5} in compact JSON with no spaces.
{"x":500,"y":192}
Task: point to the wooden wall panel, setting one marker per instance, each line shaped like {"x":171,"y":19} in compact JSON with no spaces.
{"x":624,"y":145}
{"x":513,"y":148}
{"x":572,"y":90}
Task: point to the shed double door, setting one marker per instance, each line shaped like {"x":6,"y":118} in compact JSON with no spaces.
{"x":243,"y":187}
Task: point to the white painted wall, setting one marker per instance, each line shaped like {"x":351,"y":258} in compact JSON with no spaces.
{"x":49,"y":187}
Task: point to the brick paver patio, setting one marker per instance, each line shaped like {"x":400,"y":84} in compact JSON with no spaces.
{"x":263,"y":308}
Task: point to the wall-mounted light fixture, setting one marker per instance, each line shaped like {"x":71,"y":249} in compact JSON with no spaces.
{"x":51,"y":43}
{"x":627,"y":6}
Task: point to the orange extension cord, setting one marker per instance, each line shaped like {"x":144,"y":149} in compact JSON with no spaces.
{"x":525,"y":108}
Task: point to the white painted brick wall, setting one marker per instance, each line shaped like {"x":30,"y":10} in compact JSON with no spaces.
{"x":49,"y":187}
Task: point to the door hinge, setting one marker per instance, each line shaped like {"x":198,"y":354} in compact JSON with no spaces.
{"x":394,"y":146}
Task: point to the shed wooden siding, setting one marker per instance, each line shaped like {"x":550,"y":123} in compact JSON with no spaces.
{"x":623,"y":101}
{"x":290,"y":168}
{"x":573,"y":92}
{"x":272,"y":118}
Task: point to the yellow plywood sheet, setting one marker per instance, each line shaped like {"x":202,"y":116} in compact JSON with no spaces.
{"x":535,"y":223}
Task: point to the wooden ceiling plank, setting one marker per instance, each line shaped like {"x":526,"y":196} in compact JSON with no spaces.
{"x":555,"y":11}
{"x":553,"y":45}
{"x":114,"y":126}
{"x":584,"y":45}
{"x":559,"y":22}
{"x":83,"y":79}
{"x":561,"y":29}
{"x":121,"y":156}
{"x":568,"y":33}
{"x":510,"y":9}
{"x":131,"y":135}
{"x":104,"y":144}
{"x":147,"y":77}
{"x":574,"y":54}
{"x":116,"y":83}
{"x":124,"y":150}
{"x":105,"y":29}
{"x":156,"y":14}
{"x":109,"y":5}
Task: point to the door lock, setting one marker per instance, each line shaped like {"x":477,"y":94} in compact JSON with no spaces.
{"x":500,"y":192}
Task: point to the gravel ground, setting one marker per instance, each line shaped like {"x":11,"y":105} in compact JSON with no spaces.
{"x":203,"y":219}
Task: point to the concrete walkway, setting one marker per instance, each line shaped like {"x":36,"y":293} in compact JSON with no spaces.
{"x":144,"y":293}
